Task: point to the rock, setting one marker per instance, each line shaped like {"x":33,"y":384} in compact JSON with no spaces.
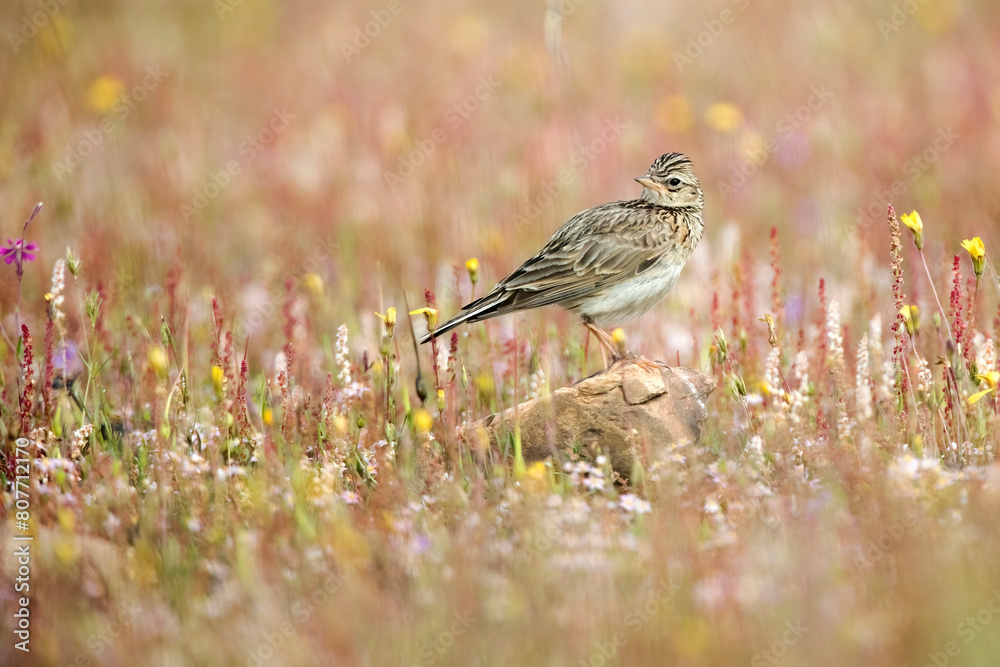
{"x":636,"y":405}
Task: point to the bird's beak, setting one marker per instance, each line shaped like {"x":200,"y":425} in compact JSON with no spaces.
{"x":646,"y":181}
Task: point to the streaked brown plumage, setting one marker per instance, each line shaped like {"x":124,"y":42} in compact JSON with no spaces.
{"x":610,"y":263}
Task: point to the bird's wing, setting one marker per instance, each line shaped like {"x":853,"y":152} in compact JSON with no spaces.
{"x":595,"y":249}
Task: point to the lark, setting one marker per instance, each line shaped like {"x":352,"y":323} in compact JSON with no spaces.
{"x":611,"y":263}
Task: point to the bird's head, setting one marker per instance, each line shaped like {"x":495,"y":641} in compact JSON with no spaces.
{"x":671,"y":183}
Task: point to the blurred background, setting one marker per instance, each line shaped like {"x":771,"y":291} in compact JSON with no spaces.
{"x":237,"y":144}
{"x":306,"y":164}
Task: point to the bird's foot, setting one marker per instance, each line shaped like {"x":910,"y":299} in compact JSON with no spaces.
{"x":648,"y":365}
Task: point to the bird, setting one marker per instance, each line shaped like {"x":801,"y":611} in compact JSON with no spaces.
{"x":609,"y":264}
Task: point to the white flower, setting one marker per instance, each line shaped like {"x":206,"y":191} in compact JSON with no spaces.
{"x":862,"y":386}
{"x":111,"y":524}
{"x":343,"y":361}
{"x":58,"y":285}
{"x":222,"y":474}
{"x":772,"y":372}
{"x":925,"y":380}
{"x":594,"y":482}
{"x":634,"y":505}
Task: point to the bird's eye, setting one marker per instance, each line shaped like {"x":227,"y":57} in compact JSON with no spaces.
{"x":674,"y":182}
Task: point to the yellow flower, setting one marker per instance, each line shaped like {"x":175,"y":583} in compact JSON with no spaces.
{"x":538,"y":472}
{"x":423,"y":420}
{"x":313,"y":283}
{"x":772,"y":334}
{"x":991,"y":379}
{"x":910,"y":318}
{"x":104,"y":92}
{"x":536,"y":478}
{"x":618,"y":335}
{"x":218,"y":377}
{"x":389,"y":319}
{"x":473,"y":266}
{"x":674,"y":113}
{"x":441,"y":399}
{"x":158,"y":360}
{"x":916,"y":225}
{"x":977,"y":251}
{"x":431,"y":314}
{"x":340,"y":424}
{"x":485,"y":386}
{"x":723,"y":117}
{"x":268,"y":416}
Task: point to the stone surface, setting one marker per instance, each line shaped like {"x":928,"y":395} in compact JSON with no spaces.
{"x":635,"y":406}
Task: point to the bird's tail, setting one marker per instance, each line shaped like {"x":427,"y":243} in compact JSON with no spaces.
{"x":480,"y":309}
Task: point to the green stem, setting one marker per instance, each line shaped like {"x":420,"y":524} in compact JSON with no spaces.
{"x":930,"y":281}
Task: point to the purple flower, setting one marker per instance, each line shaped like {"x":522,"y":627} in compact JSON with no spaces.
{"x":18,"y":251}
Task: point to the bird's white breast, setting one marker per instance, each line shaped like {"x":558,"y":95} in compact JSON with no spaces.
{"x":632,"y":297}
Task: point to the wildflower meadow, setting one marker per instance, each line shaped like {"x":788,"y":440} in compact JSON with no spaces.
{"x":226,"y":224}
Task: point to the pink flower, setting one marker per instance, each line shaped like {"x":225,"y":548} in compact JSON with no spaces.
{"x":18,"y":251}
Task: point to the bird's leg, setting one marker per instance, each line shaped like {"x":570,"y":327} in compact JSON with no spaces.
{"x":586,"y":347}
{"x":605,"y":340}
{"x":647,"y":365}
{"x":608,"y":343}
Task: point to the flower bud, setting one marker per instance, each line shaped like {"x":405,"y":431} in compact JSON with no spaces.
{"x":389,"y":320}
{"x":73,"y":263}
{"x":772,"y":334}
{"x":473,"y":267}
